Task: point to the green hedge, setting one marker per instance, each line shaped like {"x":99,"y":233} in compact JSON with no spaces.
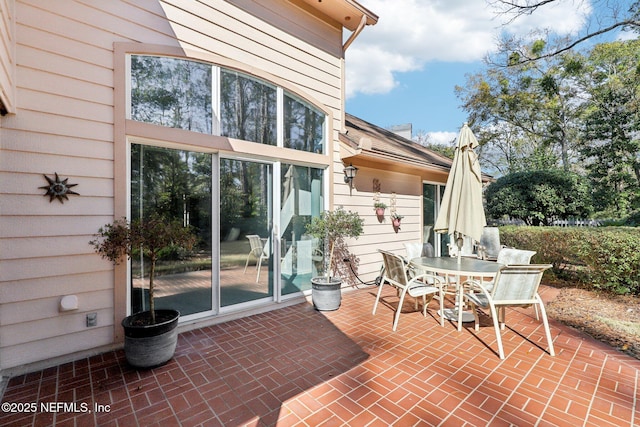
{"x":606,"y":258}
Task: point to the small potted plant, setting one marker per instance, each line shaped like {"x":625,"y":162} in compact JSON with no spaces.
{"x":150,"y":336}
{"x":332,"y":227}
{"x":379,"y":207}
{"x":395,"y":220}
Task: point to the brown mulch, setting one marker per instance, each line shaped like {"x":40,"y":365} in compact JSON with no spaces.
{"x":611,"y":319}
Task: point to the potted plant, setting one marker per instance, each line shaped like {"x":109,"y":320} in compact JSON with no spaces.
{"x":379,"y":207}
{"x":332,"y":227}
{"x":395,"y":220}
{"x":150,"y":336}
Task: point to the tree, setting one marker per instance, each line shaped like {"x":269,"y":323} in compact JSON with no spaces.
{"x":614,"y":15}
{"x":424,"y":139}
{"x":150,"y":236}
{"x":610,"y":144}
{"x":334,"y":227}
{"x":528,"y":114}
{"x":539,"y":197}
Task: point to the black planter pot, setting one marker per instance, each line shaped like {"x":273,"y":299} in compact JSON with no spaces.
{"x":326,"y":295}
{"x":148,"y":345}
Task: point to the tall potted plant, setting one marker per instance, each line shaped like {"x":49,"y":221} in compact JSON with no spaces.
{"x":332,"y":227}
{"x":150,"y":336}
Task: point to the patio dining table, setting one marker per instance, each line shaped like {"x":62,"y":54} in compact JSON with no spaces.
{"x":458,"y":267}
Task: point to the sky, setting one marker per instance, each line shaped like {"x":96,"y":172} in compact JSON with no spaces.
{"x":404,"y":69}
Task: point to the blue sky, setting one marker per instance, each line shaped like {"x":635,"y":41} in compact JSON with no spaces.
{"x":404,"y":68}
{"x":423,"y":98}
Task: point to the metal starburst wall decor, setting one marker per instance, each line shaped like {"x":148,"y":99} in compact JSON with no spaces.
{"x":58,"y":189}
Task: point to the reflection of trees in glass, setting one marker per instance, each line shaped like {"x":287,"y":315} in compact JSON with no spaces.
{"x":244,"y":196}
{"x":178,"y":93}
{"x":303,"y":126}
{"x":297,"y":180}
{"x":175,"y":184}
{"x":171,"y":92}
{"x":429,"y":203}
{"x":248,"y":109}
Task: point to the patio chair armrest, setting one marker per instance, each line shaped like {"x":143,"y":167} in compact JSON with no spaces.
{"x":429,"y":278}
{"x":471,"y":287}
{"x":474,"y":284}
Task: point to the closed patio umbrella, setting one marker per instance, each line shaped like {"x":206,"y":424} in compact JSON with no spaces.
{"x":461,"y":211}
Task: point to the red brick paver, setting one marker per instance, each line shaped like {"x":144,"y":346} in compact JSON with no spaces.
{"x":300,"y":367}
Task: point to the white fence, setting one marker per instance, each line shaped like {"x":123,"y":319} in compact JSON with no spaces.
{"x":572,"y":222}
{"x":577,"y":223}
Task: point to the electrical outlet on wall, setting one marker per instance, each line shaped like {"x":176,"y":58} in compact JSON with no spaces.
{"x":92,"y":319}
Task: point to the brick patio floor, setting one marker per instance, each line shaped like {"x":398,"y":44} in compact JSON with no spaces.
{"x":299,"y":367}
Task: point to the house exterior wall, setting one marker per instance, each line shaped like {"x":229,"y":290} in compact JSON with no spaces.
{"x":68,"y":119}
{"x":7,"y":55}
{"x":406,"y":188}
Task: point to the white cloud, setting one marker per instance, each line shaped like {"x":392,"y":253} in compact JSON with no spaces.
{"x":627,"y":35}
{"x":442,"y":138}
{"x":410,"y":33}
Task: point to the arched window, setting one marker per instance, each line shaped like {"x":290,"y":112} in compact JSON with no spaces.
{"x":205,"y":98}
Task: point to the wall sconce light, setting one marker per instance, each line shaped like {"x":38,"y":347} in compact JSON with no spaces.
{"x":350,"y":173}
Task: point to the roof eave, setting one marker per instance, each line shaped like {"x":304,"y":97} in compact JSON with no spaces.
{"x":348,"y":13}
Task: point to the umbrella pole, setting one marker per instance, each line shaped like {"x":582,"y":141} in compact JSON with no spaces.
{"x":459,"y":244}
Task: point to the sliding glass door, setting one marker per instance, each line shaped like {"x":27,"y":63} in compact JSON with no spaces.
{"x":241,"y":257}
{"x":246,"y":223}
{"x":176,"y":185}
{"x":301,"y":199}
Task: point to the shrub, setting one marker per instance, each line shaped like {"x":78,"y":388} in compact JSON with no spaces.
{"x":604,"y":258}
{"x":539,"y":197}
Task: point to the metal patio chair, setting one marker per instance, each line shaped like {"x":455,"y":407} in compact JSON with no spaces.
{"x":395,"y":274}
{"x":257,"y":251}
{"x":514,"y":286}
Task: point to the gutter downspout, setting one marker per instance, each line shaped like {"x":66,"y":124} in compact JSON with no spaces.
{"x":352,"y":37}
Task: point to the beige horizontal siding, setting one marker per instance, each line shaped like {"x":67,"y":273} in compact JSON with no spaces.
{"x":32,"y":268}
{"x":68,"y":146}
{"x":75,"y":21}
{"x":25,"y":226}
{"x":33,"y":121}
{"x":32,"y":289}
{"x":56,"y":346}
{"x":39,"y":205}
{"x":39,"y":247}
{"x":61,"y":105}
{"x":49,"y":308}
{"x":18,"y":161}
{"x":7,"y":51}
{"x":299,"y":24}
{"x":30,"y":183}
{"x":43,"y":329}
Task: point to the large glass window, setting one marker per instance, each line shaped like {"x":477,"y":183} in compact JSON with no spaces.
{"x":248,"y":109}
{"x":175,"y":185}
{"x":304,"y":126}
{"x":171,"y":92}
{"x":301,"y":200}
{"x":184,"y":94}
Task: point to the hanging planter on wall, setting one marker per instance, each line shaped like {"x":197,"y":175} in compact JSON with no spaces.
{"x":395,"y":221}
{"x":379,"y":207}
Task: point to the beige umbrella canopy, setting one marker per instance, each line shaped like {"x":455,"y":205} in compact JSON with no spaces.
{"x":461,"y":211}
